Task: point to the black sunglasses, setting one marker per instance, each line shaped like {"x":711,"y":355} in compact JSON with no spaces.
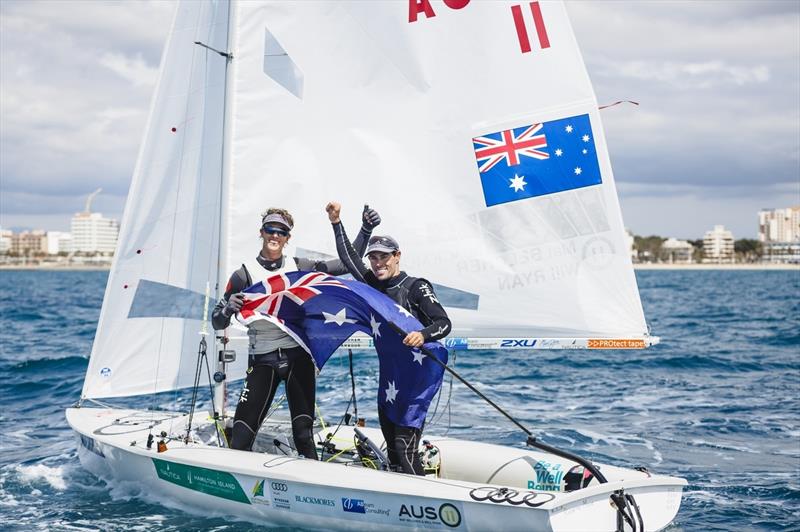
{"x":274,"y":231}
{"x":381,"y":240}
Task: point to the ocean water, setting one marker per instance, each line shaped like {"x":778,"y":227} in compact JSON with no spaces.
{"x":717,"y":402}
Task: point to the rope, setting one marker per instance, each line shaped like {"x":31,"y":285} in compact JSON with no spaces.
{"x":617,"y":103}
{"x":319,"y":415}
{"x":531,"y":438}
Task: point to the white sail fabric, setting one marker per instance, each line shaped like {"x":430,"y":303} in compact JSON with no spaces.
{"x":351,"y":101}
{"x":147,"y":337}
{"x":361,"y":102}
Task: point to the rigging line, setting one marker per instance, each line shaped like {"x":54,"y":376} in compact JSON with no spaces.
{"x":353,"y":384}
{"x":435,"y":420}
{"x":195,"y":386}
{"x":531,"y":438}
{"x":210,"y":388}
{"x":341,"y":420}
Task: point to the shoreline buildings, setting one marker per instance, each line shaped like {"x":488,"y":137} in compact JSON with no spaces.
{"x":92,"y":240}
{"x":676,"y":251}
{"x":94,"y":234}
{"x":779,"y":234}
{"x":718,"y":246}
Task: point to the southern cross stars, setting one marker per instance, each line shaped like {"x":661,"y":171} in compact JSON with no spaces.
{"x":391,"y":393}
{"x":403,"y":311}
{"x":578,"y":170}
{"x":518,"y":183}
{"x":418,"y":355}
{"x":376,"y":326}
{"x":340,"y":318}
{"x":568,"y":129}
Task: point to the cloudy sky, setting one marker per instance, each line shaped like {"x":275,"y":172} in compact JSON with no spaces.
{"x":715,"y":139}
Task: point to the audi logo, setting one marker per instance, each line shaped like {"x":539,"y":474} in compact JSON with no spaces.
{"x":511,"y":496}
{"x":279,"y":486}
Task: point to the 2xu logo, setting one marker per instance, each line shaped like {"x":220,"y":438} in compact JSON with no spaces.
{"x":518,"y":342}
{"x":513,"y":497}
{"x":278,"y":486}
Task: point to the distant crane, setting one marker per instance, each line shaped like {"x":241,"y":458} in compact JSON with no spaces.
{"x":87,"y":210}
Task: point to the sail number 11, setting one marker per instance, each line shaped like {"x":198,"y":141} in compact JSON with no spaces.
{"x":519,"y":16}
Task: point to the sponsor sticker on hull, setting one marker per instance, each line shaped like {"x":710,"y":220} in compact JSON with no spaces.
{"x":617,"y":343}
{"x":549,"y":477}
{"x":208,"y":481}
{"x":445,"y":515}
{"x":362,"y":506}
{"x":279,"y":493}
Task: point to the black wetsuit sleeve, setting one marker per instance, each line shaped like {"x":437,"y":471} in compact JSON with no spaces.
{"x":336,"y":266}
{"x":236,"y":284}
{"x":429,"y":311}
{"x":348,"y":255}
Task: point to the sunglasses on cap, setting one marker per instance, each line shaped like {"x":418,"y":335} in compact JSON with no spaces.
{"x":272,"y":230}
{"x":385,"y":241}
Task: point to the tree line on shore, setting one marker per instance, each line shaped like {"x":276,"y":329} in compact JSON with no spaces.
{"x":650,"y":249}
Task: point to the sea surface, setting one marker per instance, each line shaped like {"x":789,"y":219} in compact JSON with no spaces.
{"x":717,"y":402}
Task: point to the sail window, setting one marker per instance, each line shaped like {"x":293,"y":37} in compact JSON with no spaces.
{"x":280,"y":67}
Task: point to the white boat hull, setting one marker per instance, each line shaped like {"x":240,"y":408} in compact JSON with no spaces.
{"x":276,"y":490}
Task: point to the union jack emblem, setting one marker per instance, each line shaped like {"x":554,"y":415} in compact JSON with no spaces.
{"x":265,"y":297}
{"x":510,"y":147}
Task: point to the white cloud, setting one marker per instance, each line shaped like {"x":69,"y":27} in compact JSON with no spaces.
{"x":716,"y":133}
{"x":134,"y":69}
{"x":705,"y":75}
{"x":686,"y":211}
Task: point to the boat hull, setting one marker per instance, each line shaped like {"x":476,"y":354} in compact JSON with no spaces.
{"x":276,"y":490}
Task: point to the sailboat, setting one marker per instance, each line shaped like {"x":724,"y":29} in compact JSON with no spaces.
{"x":474,"y":128}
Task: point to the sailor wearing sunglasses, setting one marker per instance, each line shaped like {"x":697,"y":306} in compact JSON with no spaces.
{"x":274,"y":356}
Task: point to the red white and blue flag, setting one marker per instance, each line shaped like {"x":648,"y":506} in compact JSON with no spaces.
{"x":321,"y":311}
{"x":537,"y":159}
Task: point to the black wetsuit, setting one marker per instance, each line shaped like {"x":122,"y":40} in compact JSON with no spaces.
{"x":415,"y":295}
{"x":293,"y":365}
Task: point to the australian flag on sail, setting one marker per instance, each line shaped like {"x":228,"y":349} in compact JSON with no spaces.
{"x":321,"y":311}
{"x":537,"y":159}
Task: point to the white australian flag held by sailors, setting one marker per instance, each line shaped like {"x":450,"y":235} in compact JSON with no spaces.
{"x":537,"y":159}
{"x":321,"y":311}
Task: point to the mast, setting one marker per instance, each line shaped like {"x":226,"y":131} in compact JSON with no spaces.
{"x":220,"y":384}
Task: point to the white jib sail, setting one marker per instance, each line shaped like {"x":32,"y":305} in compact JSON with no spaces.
{"x":356,"y":102}
{"x":147,"y":336}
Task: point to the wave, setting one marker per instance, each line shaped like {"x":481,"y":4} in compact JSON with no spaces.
{"x":45,"y":363}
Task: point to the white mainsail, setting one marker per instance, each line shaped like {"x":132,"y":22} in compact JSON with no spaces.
{"x":386,"y":115}
{"x":356,"y":102}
